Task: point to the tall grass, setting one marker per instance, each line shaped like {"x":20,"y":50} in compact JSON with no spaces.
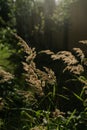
{"x":42,"y":96}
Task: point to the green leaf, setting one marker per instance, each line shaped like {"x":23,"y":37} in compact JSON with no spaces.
{"x":64,"y":97}
{"x":78,"y":97}
{"x":71,"y":117}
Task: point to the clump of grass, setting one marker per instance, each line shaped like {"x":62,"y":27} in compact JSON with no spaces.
{"x":45,"y":98}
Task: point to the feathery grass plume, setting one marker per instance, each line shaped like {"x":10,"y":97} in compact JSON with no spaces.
{"x":51,"y":76}
{"x":30,"y":53}
{"x":83,"y":42}
{"x":69,"y":60}
{"x":47,"y":77}
{"x":5,"y":76}
{"x":32,"y":79}
{"x":78,"y":53}
{"x":48,"y":52}
{"x":57,"y":113}
{"x":66,"y":57}
{"x":77,"y":70}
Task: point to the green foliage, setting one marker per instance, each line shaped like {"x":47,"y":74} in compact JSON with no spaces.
{"x":5,"y":48}
{"x":7,"y":9}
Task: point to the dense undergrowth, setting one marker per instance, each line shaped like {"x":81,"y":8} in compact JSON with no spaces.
{"x":41,"y":91}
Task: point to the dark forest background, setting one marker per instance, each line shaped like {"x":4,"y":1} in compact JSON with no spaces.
{"x":43,"y":24}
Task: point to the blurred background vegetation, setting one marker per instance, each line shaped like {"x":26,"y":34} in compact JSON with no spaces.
{"x":43,"y":65}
